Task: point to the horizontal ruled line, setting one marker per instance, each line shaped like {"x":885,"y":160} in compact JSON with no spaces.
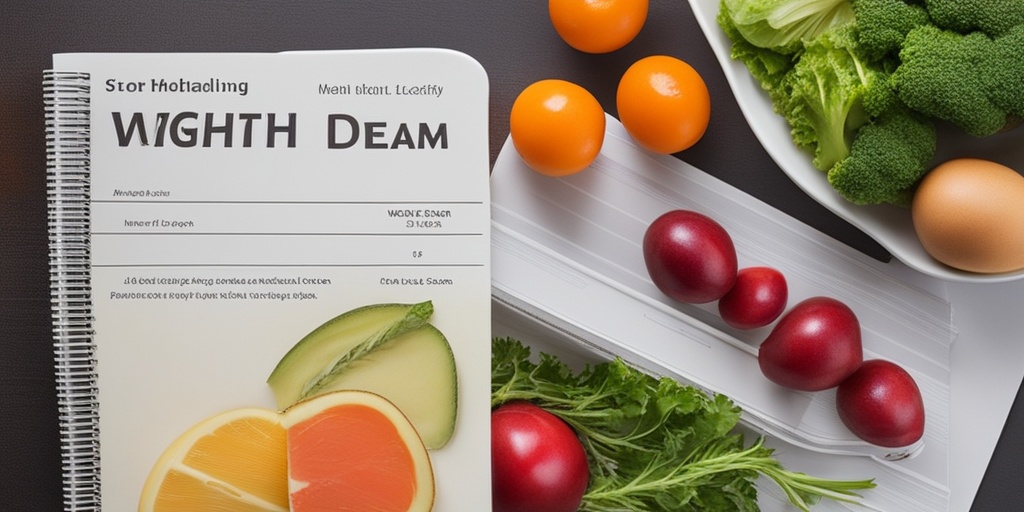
{"x":213,"y":233}
{"x":200,"y":201}
{"x":289,"y":265}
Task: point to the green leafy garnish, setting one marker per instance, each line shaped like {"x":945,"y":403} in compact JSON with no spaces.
{"x":653,"y":444}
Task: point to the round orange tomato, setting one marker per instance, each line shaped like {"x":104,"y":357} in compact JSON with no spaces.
{"x":663,"y":103}
{"x":557,"y":127}
{"x":597,"y":26}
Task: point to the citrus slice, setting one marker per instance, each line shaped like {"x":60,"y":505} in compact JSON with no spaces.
{"x":355,"y":451}
{"x":339,"y":451}
{"x":234,"y":461}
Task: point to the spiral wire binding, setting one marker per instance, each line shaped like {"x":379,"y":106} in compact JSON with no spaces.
{"x":66,"y":101}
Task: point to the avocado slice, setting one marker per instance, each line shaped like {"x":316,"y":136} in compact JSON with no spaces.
{"x":388,"y":349}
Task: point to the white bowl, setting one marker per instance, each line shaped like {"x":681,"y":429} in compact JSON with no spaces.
{"x":890,"y":226}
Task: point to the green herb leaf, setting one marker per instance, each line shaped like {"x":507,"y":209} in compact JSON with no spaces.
{"x":653,"y":444}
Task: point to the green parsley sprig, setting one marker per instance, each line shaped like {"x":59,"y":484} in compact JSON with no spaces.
{"x":653,"y":444}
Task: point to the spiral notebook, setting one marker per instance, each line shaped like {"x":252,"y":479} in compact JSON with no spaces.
{"x":209,"y":211}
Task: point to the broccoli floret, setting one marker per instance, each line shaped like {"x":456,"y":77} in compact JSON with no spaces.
{"x":782,"y":25}
{"x":993,"y":17}
{"x":826,"y":88}
{"x":880,"y":96}
{"x":887,"y":159}
{"x":883,"y":24}
{"x":1005,"y":79}
{"x":966,"y":79}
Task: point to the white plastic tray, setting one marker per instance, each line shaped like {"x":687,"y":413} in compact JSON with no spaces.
{"x":566,"y":255}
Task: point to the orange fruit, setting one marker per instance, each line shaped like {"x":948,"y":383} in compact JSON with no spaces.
{"x":663,"y":103}
{"x":354,"y":450}
{"x":557,"y":127}
{"x":343,"y":450}
{"x":235,"y":461}
{"x":597,"y":26}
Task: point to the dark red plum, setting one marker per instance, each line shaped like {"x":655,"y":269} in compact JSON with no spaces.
{"x":537,"y":462}
{"x":756,"y":300}
{"x":882,"y":404}
{"x":690,"y":257}
{"x":814,"y":346}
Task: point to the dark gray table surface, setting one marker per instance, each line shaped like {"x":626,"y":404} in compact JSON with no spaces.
{"x":514,"y":42}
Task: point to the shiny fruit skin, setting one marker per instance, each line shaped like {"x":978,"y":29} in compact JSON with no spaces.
{"x":538,"y":464}
{"x":597,"y":26}
{"x":663,"y":104}
{"x":882,"y":404}
{"x":756,"y":300}
{"x":813,"y":347}
{"x":557,"y":127}
{"x":689,"y":256}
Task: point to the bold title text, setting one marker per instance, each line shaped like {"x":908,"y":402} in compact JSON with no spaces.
{"x":270,"y":130}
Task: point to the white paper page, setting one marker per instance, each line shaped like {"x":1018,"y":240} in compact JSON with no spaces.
{"x":346,"y":179}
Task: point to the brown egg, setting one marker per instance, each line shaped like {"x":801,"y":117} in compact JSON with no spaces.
{"x":969,"y":214}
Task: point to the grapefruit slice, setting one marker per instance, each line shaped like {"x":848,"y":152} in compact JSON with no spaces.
{"x":338,"y":451}
{"x":235,"y":461}
{"x":355,"y":451}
